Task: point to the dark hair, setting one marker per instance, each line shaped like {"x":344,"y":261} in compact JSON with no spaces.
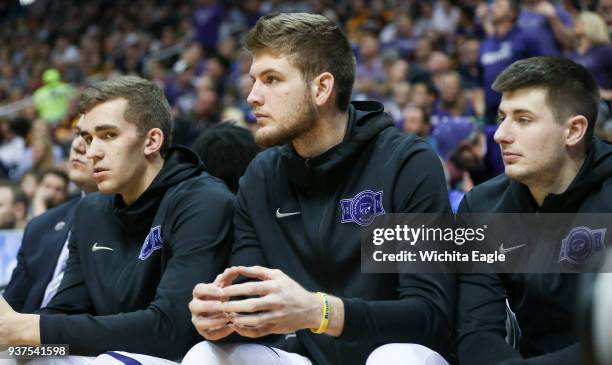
{"x":313,"y":43}
{"x":57,"y":172}
{"x":570,"y":88}
{"x":147,"y":106}
{"x":226,"y":151}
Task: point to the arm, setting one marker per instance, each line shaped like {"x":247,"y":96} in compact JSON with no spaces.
{"x":199,"y":236}
{"x":561,"y":28}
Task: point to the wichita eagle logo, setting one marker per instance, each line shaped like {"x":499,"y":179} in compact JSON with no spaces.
{"x":363,"y":208}
{"x":151,"y":243}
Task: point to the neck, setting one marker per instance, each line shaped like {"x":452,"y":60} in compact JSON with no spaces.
{"x":135,"y":191}
{"x":503,"y":28}
{"x":583,"y":45}
{"x":557,"y":181}
{"x":327,"y":132}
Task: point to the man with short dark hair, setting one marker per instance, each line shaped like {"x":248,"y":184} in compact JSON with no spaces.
{"x":52,"y":191}
{"x":137,"y":252}
{"x":13,"y":206}
{"x":333,"y":166}
{"x":552,"y":165}
{"x":42,"y":257}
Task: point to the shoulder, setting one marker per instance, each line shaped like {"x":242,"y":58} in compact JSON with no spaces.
{"x":482,"y":198}
{"x":201,"y":189}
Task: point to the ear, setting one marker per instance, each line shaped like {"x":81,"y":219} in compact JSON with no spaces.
{"x":153,"y":141}
{"x":575,"y":131}
{"x":323,"y":88}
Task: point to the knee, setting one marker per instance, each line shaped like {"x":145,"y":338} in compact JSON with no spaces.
{"x":204,"y":353}
{"x":404,"y":353}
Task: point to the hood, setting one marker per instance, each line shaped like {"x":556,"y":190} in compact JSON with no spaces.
{"x":597,"y":167}
{"x":366,"y":121}
{"x":180,"y":164}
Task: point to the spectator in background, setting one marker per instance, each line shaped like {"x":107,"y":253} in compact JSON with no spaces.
{"x":418,"y":123}
{"x":207,"y":20}
{"x":507,"y":44}
{"x":438,"y":64}
{"x":226,"y":151}
{"x":423,"y":95}
{"x":468,"y":148}
{"x":593,"y":50}
{"x":206,"y":112}
{"x":399,"y":102}
{"x":53,"y":99}
{"x":550,"y":25}
{"x":399,"y":36}
{"x":370,"y":74}
{"x":13,"y":147}
{"x":28,"y":183}
{"x":13,"y":206}
{"x":52,"y":190}
{"x":469,"y":67}
{"x":452,"y":101}
{"x":604,"y":9}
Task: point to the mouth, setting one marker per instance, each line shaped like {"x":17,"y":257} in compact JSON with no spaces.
{"x":76,"y":162}
{"x":510,"y":157}
{"x":99,"y":172}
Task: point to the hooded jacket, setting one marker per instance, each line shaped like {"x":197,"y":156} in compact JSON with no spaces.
{"x":132,"y":269}
{"x":302,"y":216}
{"x":545,"y":304}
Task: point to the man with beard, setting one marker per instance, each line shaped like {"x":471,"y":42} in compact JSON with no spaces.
{"x":553,"y":164}
{"x":41,"y":260}
{"x":332,"y":167}
{"x":136,"y":251}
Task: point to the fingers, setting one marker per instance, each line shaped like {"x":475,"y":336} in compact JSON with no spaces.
{"x":209,"y":323}
{"x":205,"y":307}
{"x":257,"y":272}
{"x":250,"y":305}
{"x":206,"y":291}
{"x":255,"y":320}
{"x":249,"y":289}
{"x":217,"y":333}
{"x":254,"y":331}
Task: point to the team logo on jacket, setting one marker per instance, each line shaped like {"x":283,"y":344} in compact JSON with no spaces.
{"x":363,"y":208}
{"x":151,"y":243}
{"x":581,"y":243}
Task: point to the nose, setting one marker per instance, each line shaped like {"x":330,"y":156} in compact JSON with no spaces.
{"x":94,"y":151}
{"x":254,"y":97}
{"x":79,"y":146}
{"x":503,"y":134}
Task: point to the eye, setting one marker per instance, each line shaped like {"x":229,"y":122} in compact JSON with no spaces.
{"x":108,"y":135}
{"x":524,"y":120}
{"x":500,"y":118}
{"x":270,"y":79}
{"x":87,"y":139}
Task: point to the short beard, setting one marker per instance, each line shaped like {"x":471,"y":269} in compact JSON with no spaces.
{"x":300,"y":122}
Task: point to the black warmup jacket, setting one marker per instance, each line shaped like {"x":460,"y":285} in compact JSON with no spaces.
{"x":132,"y":269}
{"x":322,"y":253}
{"x":545,"y":304}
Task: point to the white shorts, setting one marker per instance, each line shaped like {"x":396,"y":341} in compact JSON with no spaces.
{"x":107,"y":358}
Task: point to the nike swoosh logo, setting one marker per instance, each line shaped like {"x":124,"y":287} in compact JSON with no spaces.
{"x":283,"y":215}
{"x":502,"y":249}
{"x":96,"y":247}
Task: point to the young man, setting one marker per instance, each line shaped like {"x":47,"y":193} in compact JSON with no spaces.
{"x":13,"y":206}
{"x":300,"y":207}
{"x":552,"y":165}
{"x":136,"y":253}
{"x":41,"y":260}
{"x":51,"y":192}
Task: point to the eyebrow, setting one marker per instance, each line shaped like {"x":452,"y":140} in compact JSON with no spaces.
{"x":100,"y":128}
{"x":517,"y":111}
{"x":264,"y":72}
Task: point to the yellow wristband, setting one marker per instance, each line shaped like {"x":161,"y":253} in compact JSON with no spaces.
{"x":325,"y":319}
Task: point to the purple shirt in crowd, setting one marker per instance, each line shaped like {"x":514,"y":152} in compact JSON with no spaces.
{"x":207,"y":20}
{"x":538,"y":27}
{"x":498,"y":53}
{"x":598,"y":60}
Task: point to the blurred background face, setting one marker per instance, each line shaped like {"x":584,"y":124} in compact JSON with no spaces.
{"x":414,"y":122}
{"x":80,"y":168}
{"x":53,"y":189}
{"x":501,"y":10}
{"x":7,"y":216}
{"x":451,"y":88}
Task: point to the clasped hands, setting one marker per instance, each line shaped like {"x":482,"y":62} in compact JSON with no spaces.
{"x":275,"y":304}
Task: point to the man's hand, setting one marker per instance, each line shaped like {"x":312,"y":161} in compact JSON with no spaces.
{"x":280,"y":304}
{"x":546,"y":8}
{"x":207,"y":308}
{"x":16,"y":328}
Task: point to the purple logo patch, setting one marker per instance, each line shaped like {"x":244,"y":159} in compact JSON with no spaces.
{"x":581,"y":243}
{"x":363,"y":208}
{"x":151,"y":243}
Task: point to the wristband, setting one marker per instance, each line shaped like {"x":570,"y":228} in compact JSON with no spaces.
{"x":325,"y":318}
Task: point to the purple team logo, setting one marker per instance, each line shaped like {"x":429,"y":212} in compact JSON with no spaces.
{"x":581,"y":243}
{"x":363,"y":208}
{"x":151,"y":243}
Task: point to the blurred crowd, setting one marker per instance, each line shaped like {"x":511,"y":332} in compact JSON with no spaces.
{"x":431,"y":63}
